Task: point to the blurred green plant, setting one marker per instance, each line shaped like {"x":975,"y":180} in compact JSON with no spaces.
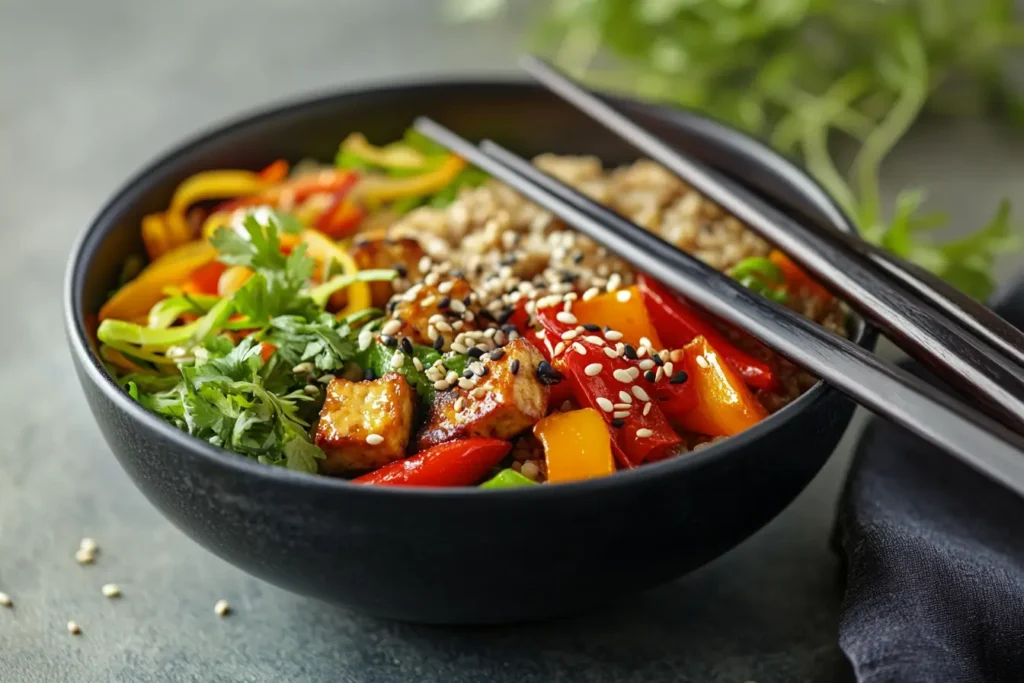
{"x":803,"y":74}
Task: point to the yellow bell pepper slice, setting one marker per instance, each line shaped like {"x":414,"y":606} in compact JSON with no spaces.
{"x":172,"y":269}
{"x":576,"y":445}
{"x":164,"y":231}
{"x":321,"y":248}
{"x":622,"y":311}
{"x":725,"y":406}
{"x":379,"y":190}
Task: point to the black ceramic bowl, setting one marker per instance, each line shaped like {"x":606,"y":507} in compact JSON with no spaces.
{"x":452,"y":555}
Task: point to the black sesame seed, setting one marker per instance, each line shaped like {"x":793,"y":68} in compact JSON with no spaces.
{"x":658,"y":360}
{"x":514,"y":367}
{"x":444,"y":303}
{"x":504,"y":315}
{"x":578,"y":258}
{"x":481,"y":371}
{"x":630,"y":352}
{"x":457,"y":273}
{"x":406,"y":345}
{"x":468,"y":299}
{"x":438,"y":343}
{"x":361,"y":243}
{"x":497,"y":354}
{"x":467,"y":373}
{"x":618,"y":422}
{"x":400,"y":269}
{"x":547,"y":374}
{"x":569,"y":278}
{"x":679,"y":378}
{"x":369,"y":375}
{"x":474,"y":352}
{"x":650,"y":375}
{"x":607,"y":328}
{"x":508,"y":260}
{"x":388,"y":340}
{"x":591,"y":327}
{"x":392,"y":305}
{"x":486,"y":315}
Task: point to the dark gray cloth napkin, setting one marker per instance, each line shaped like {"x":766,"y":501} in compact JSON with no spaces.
{"x":935,"y":562}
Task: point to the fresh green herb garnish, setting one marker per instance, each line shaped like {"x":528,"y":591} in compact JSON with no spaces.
{"x":806,"y":75}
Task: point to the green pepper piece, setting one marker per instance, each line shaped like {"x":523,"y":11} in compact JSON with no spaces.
{"x":507,"y":479}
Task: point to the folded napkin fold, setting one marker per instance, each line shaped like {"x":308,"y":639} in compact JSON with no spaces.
{"x":935,"y":562}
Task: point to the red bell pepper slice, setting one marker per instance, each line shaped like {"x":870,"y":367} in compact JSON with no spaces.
{"x":341,"y":218}
{"x":456,"y":463}
{"x":333,"y":182}
{"x":639,"y":434}
{"x":204,"y":279}
{"x":274,"y":172}
{"x":678,"y":324}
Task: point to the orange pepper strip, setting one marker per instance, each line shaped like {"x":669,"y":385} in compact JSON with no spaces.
{"x":796,"y":278}
{"x":274,"y":172}
{"x":622,"y":311}
{"x":204,"y":279}
{"x":725,"y":405}
{"x":576,"y":445}
{"x":172,"y":269}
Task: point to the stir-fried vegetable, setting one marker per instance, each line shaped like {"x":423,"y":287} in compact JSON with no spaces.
{"x":725,"y":406}
{"x":456,"y":463}
{"x":576,"y":445}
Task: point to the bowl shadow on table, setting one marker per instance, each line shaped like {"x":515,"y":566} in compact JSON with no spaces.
{"x":733,"y":620}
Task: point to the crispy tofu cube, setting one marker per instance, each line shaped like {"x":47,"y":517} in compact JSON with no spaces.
{"x":355,"y":411}
{"x":446,"y":300}
{"x":502,"y":404}
{"x":402,"y":255}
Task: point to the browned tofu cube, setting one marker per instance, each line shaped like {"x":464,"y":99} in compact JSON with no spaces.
{"x":402,"y":255}
{"x":507,"y":399}
{"x":365,"y":425}
{"x":441,"y":306}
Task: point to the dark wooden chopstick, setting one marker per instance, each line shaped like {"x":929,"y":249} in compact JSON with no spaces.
{"x":969,"y":435}
{"x":964,"y":360}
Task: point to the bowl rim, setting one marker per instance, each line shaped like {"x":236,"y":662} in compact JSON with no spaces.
{"x":89,"y":239}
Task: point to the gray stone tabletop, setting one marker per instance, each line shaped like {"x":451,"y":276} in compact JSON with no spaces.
{"x":88,"y":92}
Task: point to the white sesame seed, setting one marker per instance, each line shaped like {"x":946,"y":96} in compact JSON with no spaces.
{"x":659,"y":374}
{"x":311,"y":390}
{"x":594,"y":339}
{"x":73,"y":628}
{"x":646,"y":364}
{"x":641,"y":352}
{"x":457,"y":306}
{"x":610,"y":352}
{"x":88,"y":545}
{"x":446,"y":286}
{"x":466,"y":383}
{"x":84,"y":556}
{"x":417,"y":363}
{"x":5,"y":600}
{"x":647,"y":408}
{"x":644,"y":433}
{"x":428,"y":301}
{"x":623,"y":376}
{"x":634,"y":372}
{"x":551,"y":350}
{"x":110,"y":590}
{"x":221,"y":608}
{"x":365,"y":338}
{"x":326,"y":379}
{"x":391,"y":327}
{"x":623,"y":295}
{"x":702,"y":362}
{"x":613,"y":335}
{"x":431,"y":279}
{"x":669,"y":367}
{"x":644,"y":341}
{"x":559,"y":347}
{"x":604,"y":404}
{"x":478,"y":393}
{"x":639,"y":392}
{"x":620,"y":414}
{"x":303,"y":368}
{"x":459,"y":348}
{"x":566,"y":406}
{"x":459,"y":403}
{"x":565,"y":317}
{"x":591,"y":293}
{"x":451,"y":377}
{"x":625,"y":397}
{"x":397,"y":360}
{"x":570,"y":334}
{"x":442,"y":326}
{"x":593,"y":369}
{"x":374,"y":439}
{"x":440,"y":385}
{"x":579,"y":348}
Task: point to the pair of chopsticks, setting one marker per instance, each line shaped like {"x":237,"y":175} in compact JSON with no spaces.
{"x":971,"y":359}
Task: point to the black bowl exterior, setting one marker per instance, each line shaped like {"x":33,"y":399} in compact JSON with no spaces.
{"x":456,"y":555}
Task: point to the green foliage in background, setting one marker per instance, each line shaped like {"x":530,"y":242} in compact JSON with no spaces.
{"x":805,"y":75}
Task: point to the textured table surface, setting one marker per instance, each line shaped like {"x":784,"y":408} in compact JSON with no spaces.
{"x":90,"y":91}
